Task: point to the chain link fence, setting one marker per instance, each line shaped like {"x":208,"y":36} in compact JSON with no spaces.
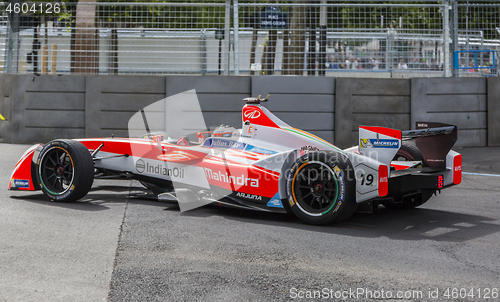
{"x":322,"y":38}
{"x":477,"y":37}
{"x":341,"y":38}
{"x":118,"y":38}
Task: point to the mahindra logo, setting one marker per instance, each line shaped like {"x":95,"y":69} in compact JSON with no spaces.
{"x":252,"y":114}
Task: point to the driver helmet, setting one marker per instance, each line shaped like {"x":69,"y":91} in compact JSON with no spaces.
{"x":224,"y":131}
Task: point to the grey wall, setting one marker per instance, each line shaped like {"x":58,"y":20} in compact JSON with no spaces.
{"x":493,"y":89}
{"x":110,"y":101}
{"x":458,"y":101}
{"x":379,"y":102}
{"x":6,"y":108}
{"x":46,"y":107}
{"x":221,"y":99}
{"x":41,"y":108}
{"x":307,"y":103}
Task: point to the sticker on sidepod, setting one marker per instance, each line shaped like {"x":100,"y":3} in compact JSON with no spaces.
{"x":249,"y":130}
{"x":251,"y":148}
{"x":224,"y":144}
{"x":378,"y":143}
{"x":20,"y":183}
{"x":275,"y":202}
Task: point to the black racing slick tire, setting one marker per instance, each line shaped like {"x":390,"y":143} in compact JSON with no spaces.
{"x":65,"y":170}
{"x":321,"y":188}
{"x":409,"y":152}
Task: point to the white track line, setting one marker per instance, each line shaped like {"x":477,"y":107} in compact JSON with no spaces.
{"x":481,"y":174}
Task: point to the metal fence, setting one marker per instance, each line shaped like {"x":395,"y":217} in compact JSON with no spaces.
{"x":323,"y":38}
{"x":120,"y":38}
{"x":478,"y":29}
{"x":342,"y":38}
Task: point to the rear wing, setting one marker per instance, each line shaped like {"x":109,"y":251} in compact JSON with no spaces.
{"x":434,"y":140}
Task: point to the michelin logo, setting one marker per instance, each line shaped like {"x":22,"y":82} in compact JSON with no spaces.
{"x":20,"y":183}
{"x":378,"y":143}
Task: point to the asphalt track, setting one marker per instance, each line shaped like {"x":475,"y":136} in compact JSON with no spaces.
{"x":118,"y":245}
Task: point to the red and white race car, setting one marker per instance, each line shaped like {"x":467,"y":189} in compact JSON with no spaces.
{"x":266,"y":165}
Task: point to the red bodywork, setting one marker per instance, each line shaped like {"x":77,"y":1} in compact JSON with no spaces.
{"x":21,"y":178}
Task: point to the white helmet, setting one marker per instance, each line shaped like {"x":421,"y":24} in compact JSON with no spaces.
{"x":225,"y":131}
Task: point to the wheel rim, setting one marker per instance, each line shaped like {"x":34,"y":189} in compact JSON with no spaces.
{"x":315,"y":188}
{"x":56,"y":171}
{"x":403,"y":157}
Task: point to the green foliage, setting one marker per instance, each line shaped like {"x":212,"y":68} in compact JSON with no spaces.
{"x":171,"y":16}
{"x":388,"y":14}
{"x":406,"y":15}
{"x":483,"y":16}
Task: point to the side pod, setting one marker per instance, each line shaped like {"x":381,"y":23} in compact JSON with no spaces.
{"x":23,"y":174}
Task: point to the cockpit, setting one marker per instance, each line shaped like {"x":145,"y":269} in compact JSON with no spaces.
{"x":194,"y":139}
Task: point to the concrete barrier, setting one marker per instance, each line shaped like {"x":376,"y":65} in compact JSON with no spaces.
{"x":377,"y":102}
{"x":220,"y":101}
{"x":307,"y":103}
{"x":47,"y":107}
{"x":41,"y":108}
{"x":493,"y":88}
{"x":110,"y":101}
{"x":457,"y":101}
{"x":6,"y":108}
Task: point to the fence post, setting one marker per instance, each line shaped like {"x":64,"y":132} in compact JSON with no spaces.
{"x":12,"y":39}
{"x":446,"y":38}
{"x":390,"y":50}
{"x":9,"y":42}
{"x":322,"y":38}
{"x":236,"y":47}
{"x":204,"y":52}
{"x":454,"y":45}
{"x":227,"y":33}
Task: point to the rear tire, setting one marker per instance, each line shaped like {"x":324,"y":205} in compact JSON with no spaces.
{"x":409,"y":152}
{"x":65,"y":170}
{"x":321,"y":188}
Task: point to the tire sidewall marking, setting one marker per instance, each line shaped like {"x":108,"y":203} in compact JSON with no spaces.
{"x":288,"y":188}
{"x":341,"y":186}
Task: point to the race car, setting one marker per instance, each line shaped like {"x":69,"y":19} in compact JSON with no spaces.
{"x":266,"y":165}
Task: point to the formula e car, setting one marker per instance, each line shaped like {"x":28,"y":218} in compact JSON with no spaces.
{"x":267,"y":165}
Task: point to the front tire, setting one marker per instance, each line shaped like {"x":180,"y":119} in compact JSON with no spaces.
{"x":65,"y":170}
{"x":321,"y":188}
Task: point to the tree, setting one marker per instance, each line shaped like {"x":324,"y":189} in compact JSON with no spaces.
{"x":297,"y":40}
